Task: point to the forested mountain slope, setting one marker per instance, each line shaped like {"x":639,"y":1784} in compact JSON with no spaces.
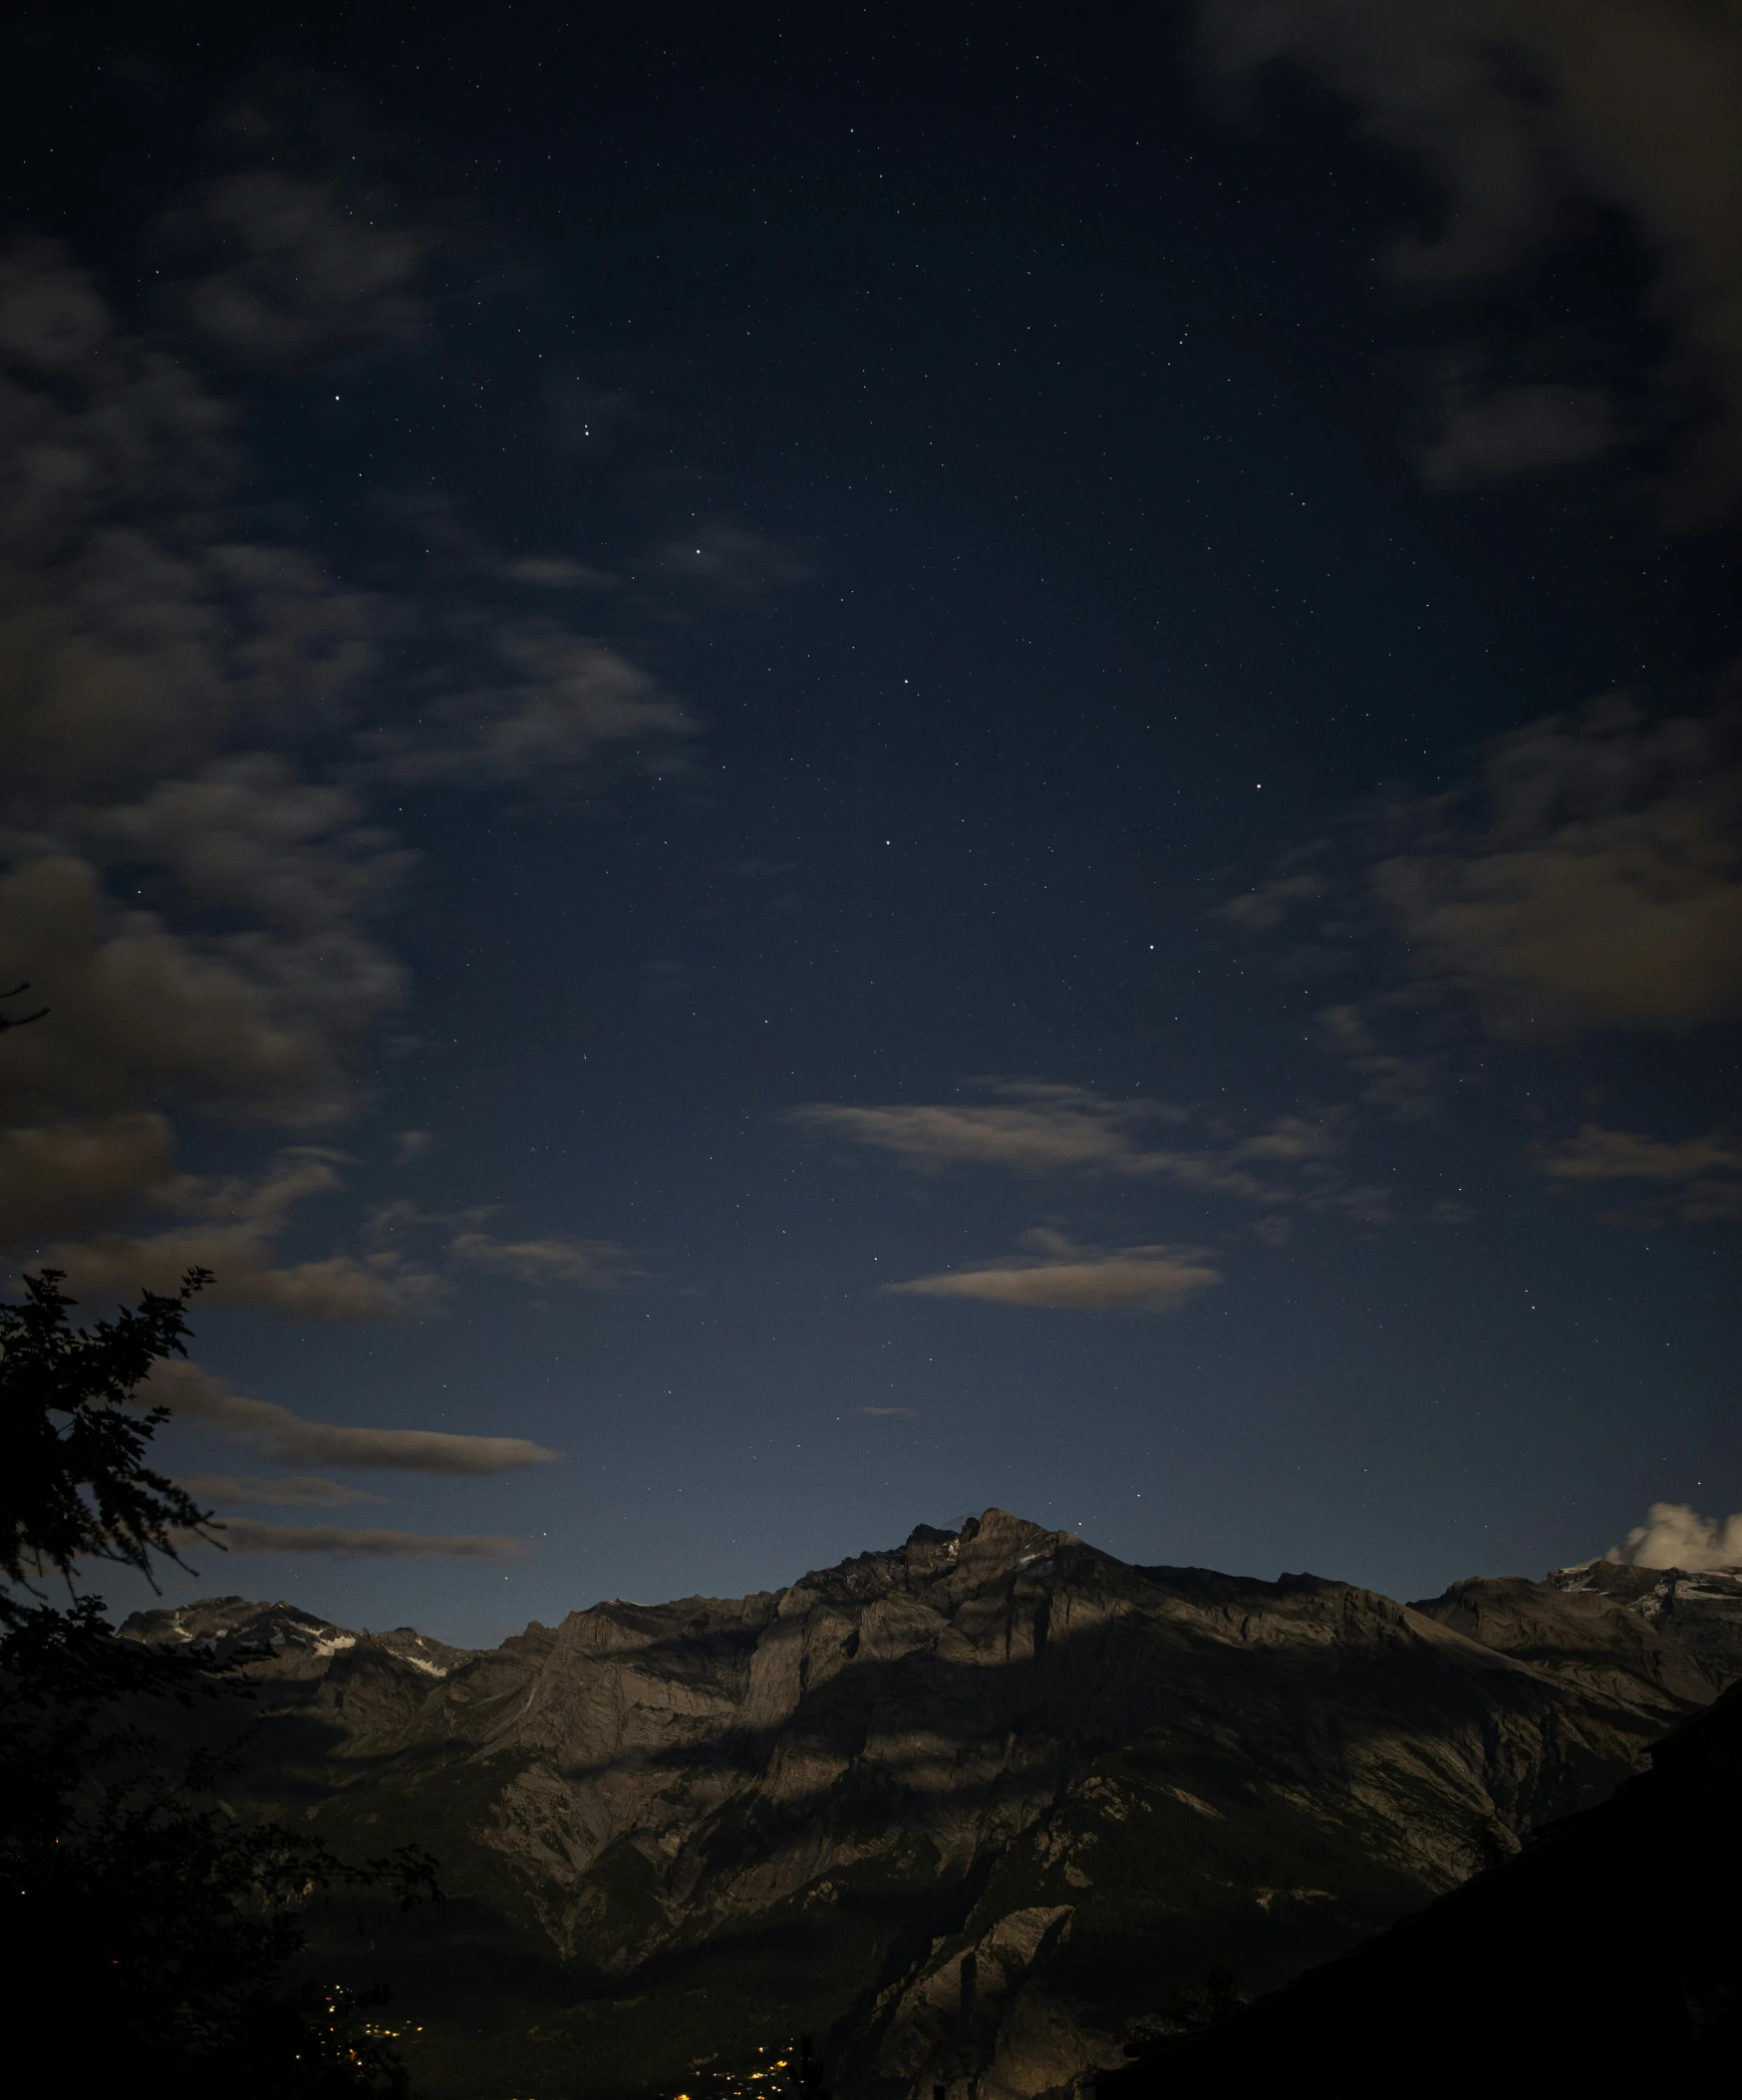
{"x":967,"y":1809}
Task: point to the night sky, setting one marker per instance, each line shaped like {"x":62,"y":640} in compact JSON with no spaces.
{"x":787,"y":771}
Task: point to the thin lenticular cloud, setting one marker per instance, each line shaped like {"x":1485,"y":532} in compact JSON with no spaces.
{"x":1034,"y":1128}
{"x":1696,"y":1179}
{"x":1596,"y":1154}
{"x":243,"y":1535}
{"x":296,"y":1490}
{"x":291,"y":1439}
{"x":587,"y":1265}
{"x":1043,"y":1132}
{"x":1063,"y":1277}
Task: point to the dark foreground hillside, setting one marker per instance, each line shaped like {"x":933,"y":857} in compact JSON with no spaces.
{"x":1612,"y":1946}
{"x":970,"y":1811}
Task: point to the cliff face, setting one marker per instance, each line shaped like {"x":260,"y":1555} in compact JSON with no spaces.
{"x":967,"y":1808}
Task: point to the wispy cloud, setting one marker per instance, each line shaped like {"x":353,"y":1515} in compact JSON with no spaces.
{"x":1586,"y":879}
{"x":1403,"y":1087}
{"x":1487,"y":432}
{"x":235,"y":1225}
{"x":1695,"y":1179}
{"x":556,"y":703}
{"x":586,"y":1265}
{"x":1034,"y":1128}
{"x":280,"y":270}
{"x":233,"y":1233}
{"x":1062,"y":1277}
{"x":1257,"y":910}
{"x":301,"y":1490}
{"x":1674,"y":1535}
{"x":245,"y":1535}
{"x":207,"y":724}
{"x":287,"y":1439}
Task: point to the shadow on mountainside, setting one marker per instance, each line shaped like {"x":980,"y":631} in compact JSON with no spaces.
{"x":672,"y":1831}
{"x":1611,"y":1947}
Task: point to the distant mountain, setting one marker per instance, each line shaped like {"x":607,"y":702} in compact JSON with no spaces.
{"x":970,"y":1811}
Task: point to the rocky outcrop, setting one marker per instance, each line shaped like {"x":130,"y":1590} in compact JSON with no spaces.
{"x":967,"y":1807}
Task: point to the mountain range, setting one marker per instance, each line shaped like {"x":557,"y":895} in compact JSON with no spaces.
{"x":972,"y":1811}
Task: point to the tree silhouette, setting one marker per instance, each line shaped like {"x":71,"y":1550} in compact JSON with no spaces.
{"x":147,"y":1929}
{"x":18,"y":1020}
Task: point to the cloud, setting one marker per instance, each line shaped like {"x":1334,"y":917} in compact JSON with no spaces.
{"x":247,"y":835}
{"x":1606,"y":890}
{"x":1628,"y":922}
{"x":588,"y":1265}
{"x":563,"y":702}
{"x":1044,"y":1129}
{"x":1696,"y":1180}
{"x":234,"y":1235}
{"x":1522,"y":108}
{"x":245,"y":1535}
{"x":411,"y":1145}
{"x":553,"y":1258}
{"x":338,"y":1288}
{"x":92,"y":418}
{"x":191,"y":893}
{"x":728,"y":556}
{"x":1062,"y":1277}
{"x":151,"y":646}
{"x":1268,"y":905}
{"x":1048,"y":1129}
{"x":1485,"y":436}
{"x":59,"y":1174}
{"x":299,"y":1489}
{"x":1676,"y":1536}
{"x":290,"y":1439}
{"x":295,"y":271}
{"x":556,"y":572}
{"x":196,"y":713}
{"x":1401,"y":1085}
{"x":1585,"y":877}
{"x":140,"y":1010}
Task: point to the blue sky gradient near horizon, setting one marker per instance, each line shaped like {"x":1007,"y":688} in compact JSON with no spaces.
{"x":859,"y":775}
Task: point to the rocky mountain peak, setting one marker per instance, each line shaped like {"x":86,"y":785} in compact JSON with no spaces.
{"x":997,"y":1542}
{"x":280,"y":1638}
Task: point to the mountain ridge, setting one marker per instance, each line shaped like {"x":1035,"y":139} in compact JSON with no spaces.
{"x":970,"y":1806}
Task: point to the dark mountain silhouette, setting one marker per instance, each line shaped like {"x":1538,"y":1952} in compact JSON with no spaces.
{"x":973,"y":1810}
{"x":1611,"y":1947}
